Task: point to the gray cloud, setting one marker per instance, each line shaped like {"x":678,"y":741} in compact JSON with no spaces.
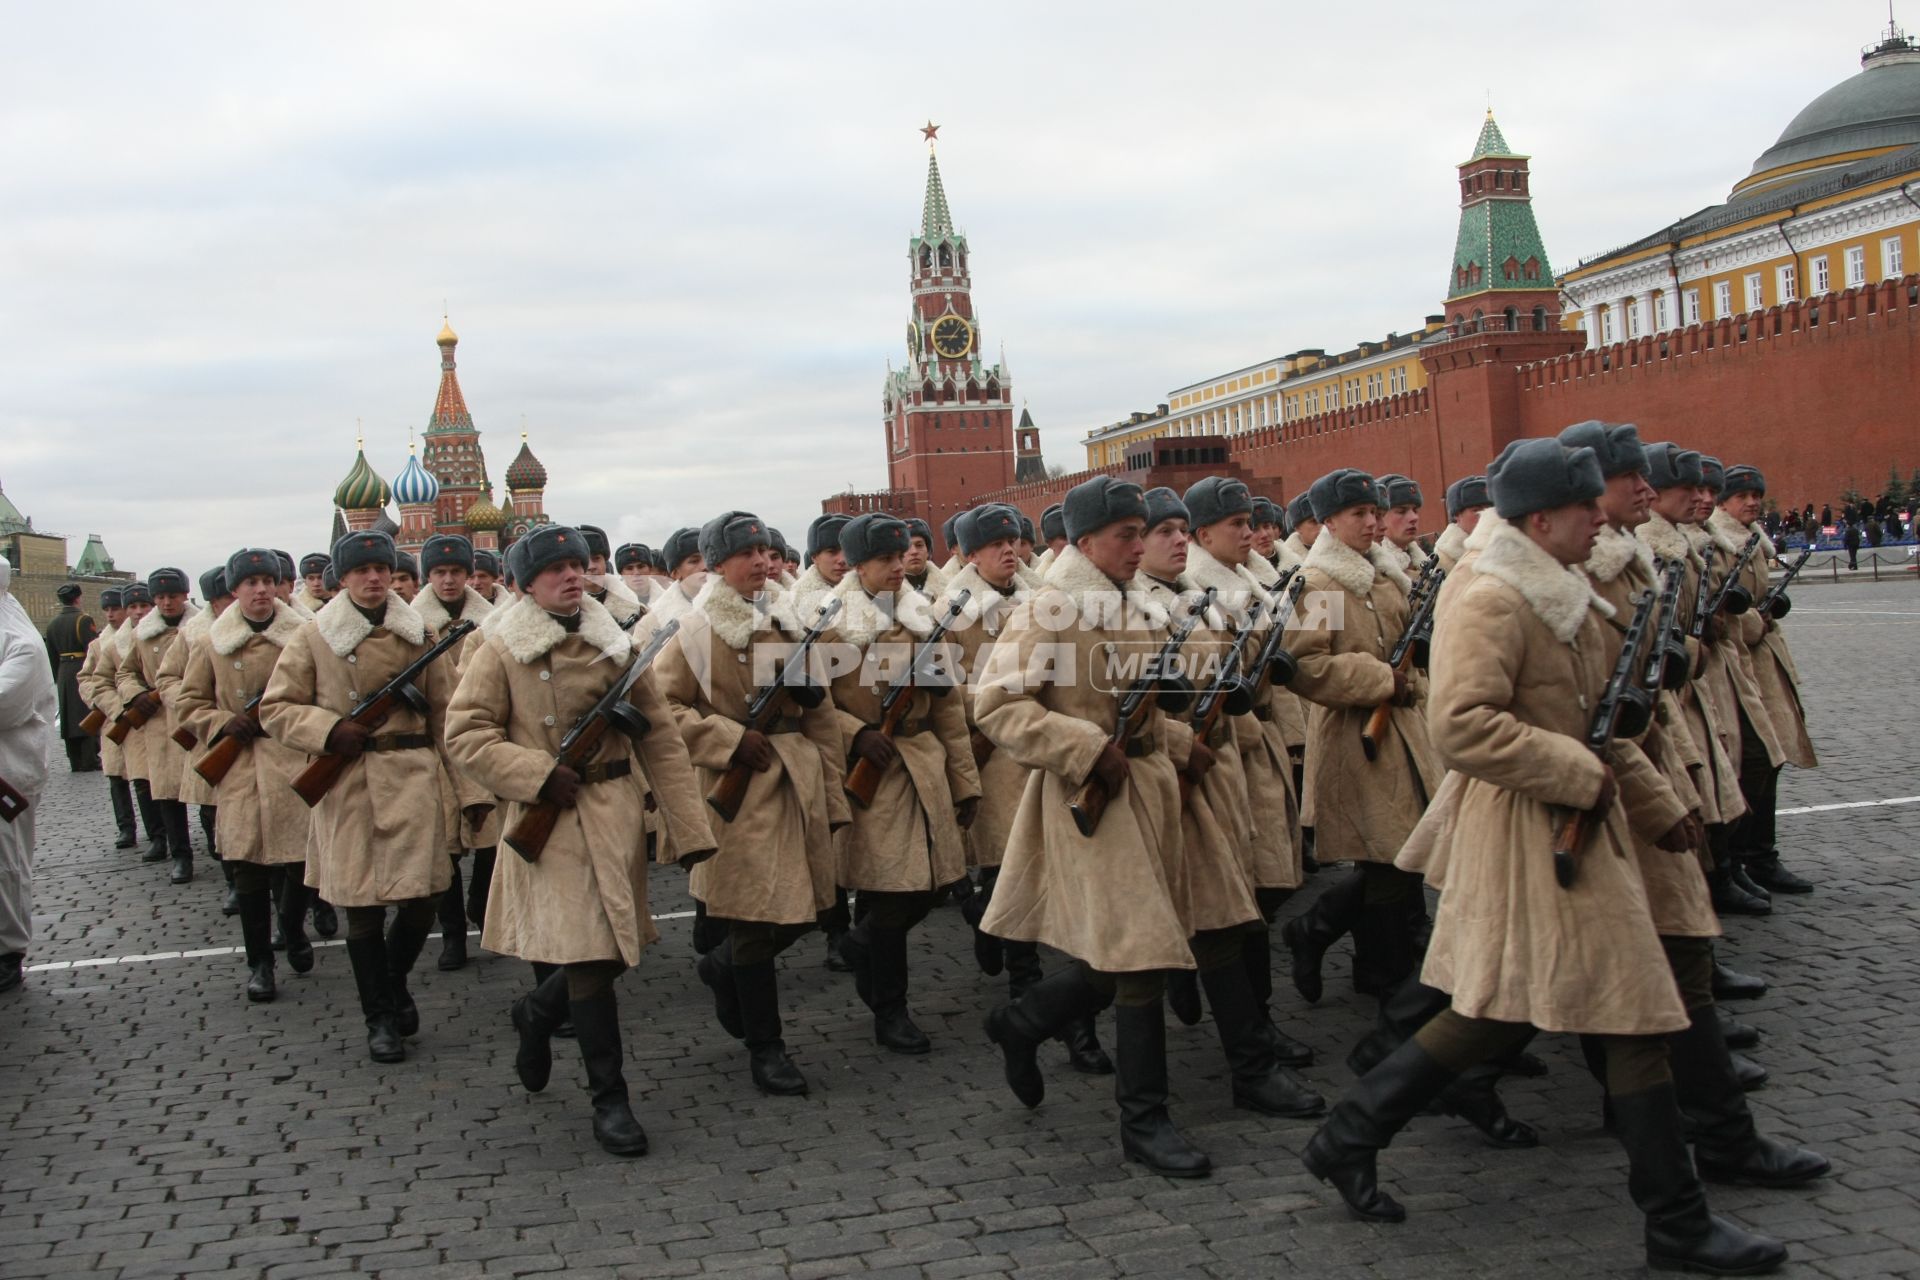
{"x":673,"y":237}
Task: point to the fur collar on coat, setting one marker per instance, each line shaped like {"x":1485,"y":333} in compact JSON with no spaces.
{"x":1559,"y":595}
{"x":527,"y":632}
{"x":343,"y":627}
{"x":230,"y":630}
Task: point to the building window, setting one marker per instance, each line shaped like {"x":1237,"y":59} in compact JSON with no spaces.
{"x":1723,"y":300}
{"x":1660,"y":313}
{"x":1786,"y":283}
{"x":1755,"y":298}
{"x":1633,"y":320}
{"x":1691,"y":301}
{"x":1856,"y":266}
{"x":1891,"y":258}
{"x":1822,"y":278}
{"x":1606,"y":325}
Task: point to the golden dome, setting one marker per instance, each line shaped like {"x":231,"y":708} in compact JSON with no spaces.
{"x":483,"y":515}
{"x":447,"y":336}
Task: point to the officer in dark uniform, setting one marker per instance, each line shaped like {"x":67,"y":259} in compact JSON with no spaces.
{"x":68,"y":636}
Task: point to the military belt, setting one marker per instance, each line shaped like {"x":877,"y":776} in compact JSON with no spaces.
{"x":81,"y":654}
{"x":1139,"y":745}
{"x":399,"y":742}
{"x":606,"y":770}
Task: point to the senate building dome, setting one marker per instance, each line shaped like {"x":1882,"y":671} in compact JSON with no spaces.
{"x":1865,"y":115}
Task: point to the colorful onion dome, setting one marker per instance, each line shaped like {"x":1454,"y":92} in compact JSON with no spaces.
{"x":362,"y":490}
{"x":415,"y":486}
{"x":524,"y":473}
{"x":483,"y":516}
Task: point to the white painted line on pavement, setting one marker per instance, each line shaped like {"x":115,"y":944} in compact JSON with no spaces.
{"x":48,"y":966}
{"x":1851,"y":804}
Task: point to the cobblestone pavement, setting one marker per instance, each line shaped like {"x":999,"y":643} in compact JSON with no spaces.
{"x":156,"y":1124}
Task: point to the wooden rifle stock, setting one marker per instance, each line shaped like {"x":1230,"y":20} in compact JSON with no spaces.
{"x":529,"y":834}
{"x":1089,"y":803}
{"x":1426,"y":594}
{"x":129,"y":719}
{"x":185,"y":738}
{"x":1570,"y":833}
{"x":12,"y":803}
{"x":1569,"y":837}
{"x":323,"y":771}
{"x":863,"y":778}
{"x":219,"y":760}
{"x":727,"y":795}
{"x":96,"y":721}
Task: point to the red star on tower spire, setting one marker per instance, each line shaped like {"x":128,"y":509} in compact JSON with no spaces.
{"x":930,"y":132}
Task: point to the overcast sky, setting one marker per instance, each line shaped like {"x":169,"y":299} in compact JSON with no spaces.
{"x":673,"y":238}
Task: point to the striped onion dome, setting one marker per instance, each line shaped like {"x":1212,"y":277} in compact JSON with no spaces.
{"x":524,"y":473}
{"x":362,"y":490}
{"x":415,"y":486}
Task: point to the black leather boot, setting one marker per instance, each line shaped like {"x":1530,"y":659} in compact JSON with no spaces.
{"x":1766,"y":870}
{"x":1183,"y":996}
{"x":1729,"y":985}
{"x":208,"y":818}
{"x":856,"y":953}
{"x":1147,"y":1133}
{"x":1308,"y":935}
{"x":1681,"y":1234}
{"x":451,"y":910}
{"x":122,"y":797}
{"x":231,"y":907}
{"x":1729,"y":898}
{"x":1727,"y":1146}
{"x":535,"y":1015}
{"x":1383,"y":948}
{"x":596,"y":1024}
{"x":368,"y":956}
{"x":1342,"y":1153}
{"x":404,"y":942}
{"x":759,"y":993}
{"x":1475,"y":1098}
{"x":716,"y":970}
{"x":254,"y":908}
{"x":893,"y":1026}
{"x":1023,"y":968}
{"x":480,"y":885}
{"x":988,"y":951}
{"x":1084,"y":1053}
{"x":173,"y":817}
{"x":1257,"y":958}
{"x":291,"y":912}
{"x":1737,"y":872}
{"x":326,"y":921}
{"x":1047,"y":1008}
{"x":1737,"y":1034}
{"x":150,"y":821}
{"x":1259,"y":1083}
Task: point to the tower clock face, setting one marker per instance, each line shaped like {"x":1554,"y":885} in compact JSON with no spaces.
{"x":952,"y":337}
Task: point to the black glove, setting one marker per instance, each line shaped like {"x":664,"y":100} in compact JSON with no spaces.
{"x":875,"y":748}
{"x":242,"y":729}
{"x":347,"y":739}
{"x":561,"y":788}
{"x":1112,"y":769}
{"x":966,"y":811}
{"x":754,"y":751}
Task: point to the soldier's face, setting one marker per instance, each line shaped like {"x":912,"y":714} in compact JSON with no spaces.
{"x":558,"y":587}
{"x":633,"y":575}
{"x":1674,"y":504}
{"x":139,"y":609}
{"x":256,"y":595}
{"x":1025,"y":550}
{"x":483,"y":582}
{"x":1057,"y":545}
{"x":1229,"y":541}
{"x":996,"y":561}
{"x":916,"y":556}
{"x":1117,"y":549}
{"x":1264,"y":536}
{"x":697,"y":563}
{"x":597,"y":564}
{"x":1308,"y":529}
{"x":449,"y":581}
{"x":1402,"y":524}
{"x":1469,"y":519}
{"x":1744,"y":507}
{"x":1568,"y":533}
{"x":367,"y":585}
{"x":1357,"y":526}
{"x":1626,"y":500}
{"x":746,"y":571}
{"x":832,"y":565}
{"x":171,"y":604}
{"x":116,"y":616}
{"x":883,"y":574}
{"x":317,"y":585}
{"x":405,"y":586}
{"x":1165,"y":555}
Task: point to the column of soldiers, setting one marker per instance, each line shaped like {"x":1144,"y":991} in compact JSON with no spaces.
{"x":1132,"y":749}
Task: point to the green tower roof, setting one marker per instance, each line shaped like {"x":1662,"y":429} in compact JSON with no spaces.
{"x":936,"y":221}
{"x":94,"y":560}
{"x":1491,"y":142}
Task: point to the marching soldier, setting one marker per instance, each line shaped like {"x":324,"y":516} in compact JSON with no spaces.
{"x":1268,"y":529}
{"x":687,"y":573}
{"x":138,"y":680}
{"x":1354,"y":609}
{"x":987,"y":535}
{"x":193,"y":788}
{"x":827,"y":565}
{"x":1053,"y":528}
{"x":1466,"y":499}
{"x":314,"y":591}
{"x":1400,"y":524}
{"x":903,"y":851}
{"x":923,"y":575}
{"x":950,"y":538}
{"x":1302,"y":528}
{"x":774,"y":873}
{"x":1513,"y":947}
{"x":1778,"y":679}
{"x":486,"y":576}
{"x":378,"y":835}
{"x":582,"y":903}
{"x":406,"y":575}
{"x":447,"y":560}
{"x":68,"y":637}
{"x":133,"y":748}
{"x":1220,"y":862}
{"x":261,"y":823}
{"x":1116,"y":901}
{"x":609,"y":589}
{"x":633,"y":561}
{"x":97,"y":691}
{"x":1220,"y":556}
